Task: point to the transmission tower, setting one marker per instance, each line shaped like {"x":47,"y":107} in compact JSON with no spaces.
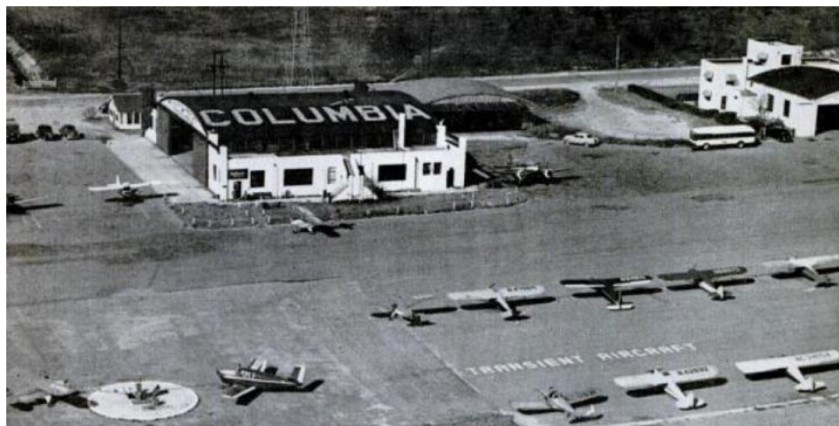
{"x":300,"y":68}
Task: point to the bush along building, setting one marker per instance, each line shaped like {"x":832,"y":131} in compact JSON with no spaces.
{"x":774,"y":82}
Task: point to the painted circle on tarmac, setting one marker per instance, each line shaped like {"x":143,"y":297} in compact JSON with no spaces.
{"x":146,"y":400}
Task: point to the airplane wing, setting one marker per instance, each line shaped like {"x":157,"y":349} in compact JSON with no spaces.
{"x":533,"y":407}
{"x":617,"y":282}
{"x":766,"y":365}
{"x":662,"y":378}
{"x":237,"y":391}
{"x":703,"y":273}
{"x":584,"y":398}
{"x":724,"y":272}
{"x":472,"y":295}
{"x":815,"y":261}
{"x":29,"y":200}
{"x":521,"y":292}
{"x":108,"y":187}
{"x":141,"y":184}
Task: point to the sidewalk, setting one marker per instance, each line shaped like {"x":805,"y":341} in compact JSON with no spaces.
{"x":151,"y":164}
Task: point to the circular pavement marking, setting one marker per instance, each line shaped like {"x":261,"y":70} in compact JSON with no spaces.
{"x":161,"y":400}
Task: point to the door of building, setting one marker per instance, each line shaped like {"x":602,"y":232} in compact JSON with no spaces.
{"x":450,"y":178}
{"x":237,"y":190}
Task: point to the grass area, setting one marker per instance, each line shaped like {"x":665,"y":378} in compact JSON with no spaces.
{"x":551,"y":98}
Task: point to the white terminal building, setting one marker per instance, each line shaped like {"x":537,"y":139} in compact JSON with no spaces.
{"x":330,"y":145}
{"x":774,"y":81}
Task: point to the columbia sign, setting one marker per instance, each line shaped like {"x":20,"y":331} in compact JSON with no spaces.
{"x":308,"y":115}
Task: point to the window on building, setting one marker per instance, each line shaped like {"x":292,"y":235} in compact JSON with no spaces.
{"x":770,"y":102}
{"x":392,"y":172}
{"x":723,"y":102}
{"x":786,"y":108}
{"x":298,"y":177}
{"x":426,"y":169}
{"x":438,"y":168}
{"x":257,"y":178}
{"x":215,"y":173}
{"x":786,"y":59}
{"x":331,"y":175}
{"x":136,"y":118}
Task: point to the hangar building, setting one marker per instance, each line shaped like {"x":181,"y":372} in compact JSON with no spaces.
{"x":467,"y":105}
{"x":774,"y":80}
{"x":335,"y":145}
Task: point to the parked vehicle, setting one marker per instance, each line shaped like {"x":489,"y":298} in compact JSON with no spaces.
{"x":12,"y":130}
{"x":739,"y":135}
{"x":582,"y":138}
{"x":45,"y":132}
{"x":69,"y":132}
{"x":779,"y":132}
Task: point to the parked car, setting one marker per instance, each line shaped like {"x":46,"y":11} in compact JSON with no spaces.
{"x":45,"y":132}
{"x":12,"y":130}
{"x":582,"y":138}
{"x":779,"y":132}
{"x":69,"y":132}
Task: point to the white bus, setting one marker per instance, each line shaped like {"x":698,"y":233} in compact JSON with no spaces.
{"x":707,"y":137}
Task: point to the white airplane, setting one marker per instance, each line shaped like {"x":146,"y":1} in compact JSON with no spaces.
{"x":704,"y":279}
{"x":668,"y":382}
{"x":43,"y":392}
{"x":304,"y":220}
{"x":414,"y":316}
{"x":505,"y":298}
{"x":610,"y":288}
{"x":258,"y":377}
{"x":126,"y":190}
{"x":554,"y":401}
{"x":808,"y":267}
{"x":792,"y":365}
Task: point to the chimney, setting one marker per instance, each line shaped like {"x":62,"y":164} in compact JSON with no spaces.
{"x":400,"y":137}
{"x":441,"y":135}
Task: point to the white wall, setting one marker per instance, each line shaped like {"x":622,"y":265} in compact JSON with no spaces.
{"x":713,"y":80}
{"x":119,"y":119}
{"x":802,"y":114}
{"x":764,"y":56}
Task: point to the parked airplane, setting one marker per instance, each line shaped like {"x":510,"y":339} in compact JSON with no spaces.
{"x":704,"y":279}
{"x":554,"y":401}
{"x":246,"y":383}
{"x":610,"y":288}
{"x":505,"y":299}
{"x":792,"y":366}
{"x":126,"y":190}
{"x":304,"y":220}
{"x":813,"y":268}
{"x":44,"y":392}
{"x":18,"y":206}
{"x":658,"y":380}
{"x":411,"y":314}
{"x":524,"y":173}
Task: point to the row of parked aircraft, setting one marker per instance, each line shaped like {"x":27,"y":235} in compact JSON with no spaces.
{"x":508,"y":299}
{"x":674,"y":382}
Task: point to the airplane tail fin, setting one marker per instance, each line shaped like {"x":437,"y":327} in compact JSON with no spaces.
{"x":299,"y":374}
{"x":118,"y":181}
{"x":720,"y":294}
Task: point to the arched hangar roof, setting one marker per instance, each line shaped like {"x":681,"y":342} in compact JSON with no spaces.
{"x":432,"y":91}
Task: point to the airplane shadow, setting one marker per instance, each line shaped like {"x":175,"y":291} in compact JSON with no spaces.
{"x":794,"y":274}
{"x":716,"y":381}
{"x":22,"y":210}
{"x":781,"y":373}
{"x":494,"y":306}
{"x":331,"y":231}
{"x":23,"y":138}
{"x":137,"y":199}
{"x":629,"y":292}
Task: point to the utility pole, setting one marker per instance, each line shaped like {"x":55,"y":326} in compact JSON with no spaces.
{"x":301,"y":42}
{"x":217,"y":68}
{"x":617,"y":60}
{"x":119,"y":49}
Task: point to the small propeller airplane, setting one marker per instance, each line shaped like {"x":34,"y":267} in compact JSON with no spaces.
{"x":705,"y":279}
{"x":523,"y":173}
{"x":813,"y":268}
{"x":792,"y":366}
{"x":411,"y":314}
{"x":44,"y":392}
{"x":245,"y":383}
{"x":126,"y":190}
{"x":18,"y":206}
{"x":658,"y":380}
{"x":610,"y":288}
{"x":554,"y":401}
{"x":304,"y":220}
{"x":505,"y":299}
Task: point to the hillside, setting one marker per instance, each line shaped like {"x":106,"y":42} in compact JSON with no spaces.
{"x":172,"y":46}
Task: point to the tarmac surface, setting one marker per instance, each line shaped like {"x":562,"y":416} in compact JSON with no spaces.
{"x":99,"y":292}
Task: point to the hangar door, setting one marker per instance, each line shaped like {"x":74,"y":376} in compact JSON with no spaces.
{"x":827,"y":118}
